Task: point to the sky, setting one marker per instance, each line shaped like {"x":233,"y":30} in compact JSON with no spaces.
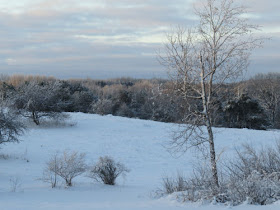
{"x":103,"y":39}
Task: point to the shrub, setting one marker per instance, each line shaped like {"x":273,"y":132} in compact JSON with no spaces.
{"x":197,"y":187}
{"x":106,"y":170}
{"x":67,"y":166}
{"x":50,"y":172}
{"x":171,"y":185}
{"x":253,"y":176}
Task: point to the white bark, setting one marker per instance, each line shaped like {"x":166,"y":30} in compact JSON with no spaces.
{"x":200,"y":60}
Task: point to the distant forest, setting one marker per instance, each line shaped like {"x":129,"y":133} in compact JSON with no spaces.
{"x":254,"y":103}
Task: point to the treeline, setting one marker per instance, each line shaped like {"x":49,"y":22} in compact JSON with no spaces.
{"x":254,"y":103}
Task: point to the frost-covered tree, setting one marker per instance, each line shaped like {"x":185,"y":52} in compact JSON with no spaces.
{"x":36,"y":100}
{"x":10,"y":126}
{"x":200,"y":60}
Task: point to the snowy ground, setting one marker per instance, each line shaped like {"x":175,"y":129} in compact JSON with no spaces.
{"x":138,"y":144}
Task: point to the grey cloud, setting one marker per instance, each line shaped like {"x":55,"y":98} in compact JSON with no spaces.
{"x":105,"y":39}
{"x":263,"y":7}
{"x":266,"y":59}
{"x":104,"y":67}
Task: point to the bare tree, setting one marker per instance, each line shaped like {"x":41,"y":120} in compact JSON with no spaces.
{"x":200,"y":60}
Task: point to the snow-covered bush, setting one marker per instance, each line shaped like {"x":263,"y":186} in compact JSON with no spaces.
{"x":67,"y":166}
{"x":106,"y":170}
{"x":253,"y":176}
{"x":197,"y":187}
{"x":171,"y":185}
{"x":256,"y":188}
{"x":50,"y":173}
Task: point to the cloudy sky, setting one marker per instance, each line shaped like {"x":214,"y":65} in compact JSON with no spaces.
{"x":108,"y":38}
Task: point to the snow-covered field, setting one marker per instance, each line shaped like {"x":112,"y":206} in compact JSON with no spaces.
{"x":138,"y":144}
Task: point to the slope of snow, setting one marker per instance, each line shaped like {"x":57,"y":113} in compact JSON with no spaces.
{"x":139,"y":144}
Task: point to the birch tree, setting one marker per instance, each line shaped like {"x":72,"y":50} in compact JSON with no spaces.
{"x":200,"y":60}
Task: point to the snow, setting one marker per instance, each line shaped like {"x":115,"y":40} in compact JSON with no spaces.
{"x":139,"y":144}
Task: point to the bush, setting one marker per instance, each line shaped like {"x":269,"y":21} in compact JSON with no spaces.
{"x":171,"y":185}
{"x":67,"y":166}
{"x":253,"y":177}
{"x":106,"y":170}
{"x":197,"y":187}
{"x":50,"y":172}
